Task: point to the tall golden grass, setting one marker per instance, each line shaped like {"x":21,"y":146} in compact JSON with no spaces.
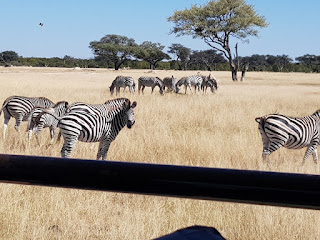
{"x":212,"y":130}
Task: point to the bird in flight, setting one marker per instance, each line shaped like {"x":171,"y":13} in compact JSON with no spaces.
{"x":41,"y":24}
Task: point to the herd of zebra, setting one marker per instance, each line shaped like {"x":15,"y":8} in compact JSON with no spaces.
{"x":102,"y":123}
{"x":77,"y":122}
{"x":199,"y":82}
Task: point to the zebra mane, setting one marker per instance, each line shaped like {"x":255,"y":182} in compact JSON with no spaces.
{"x":117,"y":104}
{"x":43,"y":98}
{"x":61,"y":102}
{"x":316,"y":113}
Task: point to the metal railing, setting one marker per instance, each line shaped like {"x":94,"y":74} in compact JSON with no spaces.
{"x":242,"y":186}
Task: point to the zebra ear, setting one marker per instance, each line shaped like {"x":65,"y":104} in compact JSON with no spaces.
{"x":66,"y":104}
{"x":134,"y":104}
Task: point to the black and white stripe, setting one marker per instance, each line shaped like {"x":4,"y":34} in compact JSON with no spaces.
{"x":293,"y":133}
{"x":41,"y":118}
{"x":94,"y":109}
{"x":170,"y":83}
{"x":210,"y":82}
{"x":188,"y":82}
{"x":150,"y":82}
{"x":122,"y":81}
{"x":20,"y":107}
{"x":102,"y":128}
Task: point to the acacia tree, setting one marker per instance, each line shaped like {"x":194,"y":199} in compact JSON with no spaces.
{"x":216,"y":23}
{"x":114,"y":48}
{"x":181,"y":53}
{"x":9,"y":56}
{"x":151,"y":53}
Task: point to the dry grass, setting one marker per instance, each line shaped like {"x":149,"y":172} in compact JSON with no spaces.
{"x":212,"y":131}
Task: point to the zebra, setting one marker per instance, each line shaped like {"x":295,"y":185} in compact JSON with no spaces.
{"x":40,"y":118}
{"x":293,"y":133}
{"x":122,"y":81}
{"x":170,"y":83}
{"x":85,"y":127}
{"x":150,"y":82}
{"x":210,"y":82}
{"x":19,"y":107}
{"x":195,"y":80}
{"x":94,"y":109}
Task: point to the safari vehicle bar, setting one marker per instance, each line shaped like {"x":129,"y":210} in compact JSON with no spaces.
{"x":230,"y":185}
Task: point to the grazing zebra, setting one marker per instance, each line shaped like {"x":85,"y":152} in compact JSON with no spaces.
{"x":40,"y":118}
{"x":85,"y":127}
{"x":20,"y":107}
{"x":122,"y":81}
{"x":210,"y":82}
{"x":293,"y":133}
{"x":195,"y":80}
{"x":170,"y":83}
{"x":150,"y":82}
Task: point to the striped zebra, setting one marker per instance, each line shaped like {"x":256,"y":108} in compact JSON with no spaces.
{"x":293,"y":133}
{"x":85,"y":127}
{"x":150,"y":82}
{"x":188,"y":82}
{"x":94,"y":109}
{"x":170,"y":83}
{"x":122,"y":81}
{"x":210,"y":82}
{"x":20,"y":107}
{"x":40,"y":118}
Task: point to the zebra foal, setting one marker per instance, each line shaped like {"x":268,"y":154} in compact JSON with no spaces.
{"x":20,"y":108}
{"x":40,"y":119}
{"x":122,"y":81}
{"x":102,"y":128}
{"x":293,"y":133}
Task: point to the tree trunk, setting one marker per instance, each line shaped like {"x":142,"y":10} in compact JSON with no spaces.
{"x":234,"y":72}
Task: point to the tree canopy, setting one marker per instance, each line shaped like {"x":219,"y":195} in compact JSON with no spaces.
{"x":114,"y":48}
{"x":216,"y":23}
{"x":181,"y":53}
{"x":151,"y":53}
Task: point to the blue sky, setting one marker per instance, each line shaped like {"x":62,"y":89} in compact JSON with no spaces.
{"x":70,"y":25}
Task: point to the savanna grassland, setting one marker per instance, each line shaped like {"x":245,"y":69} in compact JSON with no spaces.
{"x":212,"y":130}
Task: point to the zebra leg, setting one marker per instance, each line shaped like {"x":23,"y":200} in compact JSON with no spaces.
{"x":315,"y":156}
{"x":274,"y":145}
{"x":139,"y":87}
{"x":18,"y":122}
{"x":5,"y":126}
{"x":152,"y":88}
{"x":117,"y":90}
{"x":311,"y":149}
{"x":68,"y":146}
{"x":103,"y":149}
{"x":52,"y":135}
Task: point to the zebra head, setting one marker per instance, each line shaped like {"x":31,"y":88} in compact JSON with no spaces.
{"x":112,"y":88}
{"x":130,"y":113}
{"x":179,"y":84}
{"x":214,"y":81}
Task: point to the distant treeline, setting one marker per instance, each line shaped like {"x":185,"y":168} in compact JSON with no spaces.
{"x":279,"y":63}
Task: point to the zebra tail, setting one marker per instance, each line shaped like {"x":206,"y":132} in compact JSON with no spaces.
{"x":4,"y":105}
